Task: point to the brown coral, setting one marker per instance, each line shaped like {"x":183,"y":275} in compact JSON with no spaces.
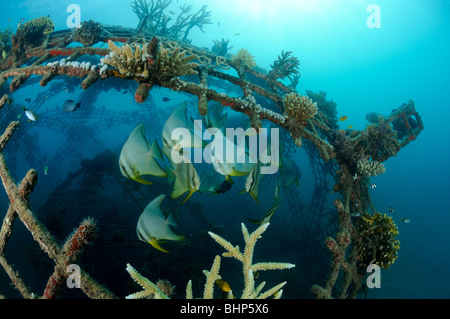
{"x":88,"y":33}
{"x":301,"y":108}
{"x":173,"y":63}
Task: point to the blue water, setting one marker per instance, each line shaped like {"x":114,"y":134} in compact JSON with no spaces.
{"x":362,"y":69}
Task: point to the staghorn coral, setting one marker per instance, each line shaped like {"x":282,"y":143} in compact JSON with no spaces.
{"x":88,"y":33}
{"x":154,"y":18}
{"x":249,"y":292}
{"x":299,"y":107}
{"x":150,"y":289}
{"x":369,"y":168}
{"x":377,"y":244}
{"x":172,"y":63}
{"x":286,"y":66}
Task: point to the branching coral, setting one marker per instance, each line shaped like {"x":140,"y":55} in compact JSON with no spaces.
{"x":377,"y":244}
{"x":249,"y":292}
{"x":88,"y":33}
{"x":150,"y":289}
{"x":243,"y":60}
{"x":247,"y":260}
{"x":344,"y":148}
{"x":380,"y":141}
{"x":155,"y":19}
{"x":5,"y":39}
{"x":327,"y":107}
{"x":286,"y":66}
{"x":221,"y":47}
{"x":299,"y":107}
{"x":369,"y":168}
{"x":172,"y":63}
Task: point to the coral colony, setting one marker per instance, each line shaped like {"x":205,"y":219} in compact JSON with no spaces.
{"x":159,"y":53}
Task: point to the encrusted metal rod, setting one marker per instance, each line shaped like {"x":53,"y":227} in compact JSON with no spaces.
{"x":70,"y":253}
{"x":19,"y":206}
{"x":15,"y":278}
{"x":25,"y":189}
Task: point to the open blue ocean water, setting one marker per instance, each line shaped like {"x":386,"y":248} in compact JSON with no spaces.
{"x":363,"y":68}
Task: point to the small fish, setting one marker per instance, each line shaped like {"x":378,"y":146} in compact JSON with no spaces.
{"x":171,"y":12}
{"x":226,"y":290}
{"x":277,"y":191}
{"x":373,"y":186}
{"x":71,"y":105}
{"x":356,"y":214}
{"x":268,"y":215}
{"x":223,"y":285}
{"x":252,"y":181}
{"x":9,"y":20}
{"x":153,"y":226}
{"x":391,"y":209}
{"x":28,"y":100}
{"x":45,"y":170}
{"x":30,"y":114}
{"x":4,"y":54}
{"x":350,"y":127}
{"x":20,"y":22}
{"x":165,"y":99}
{"x":343,"y":118}
{"x":355,"y":176}
{"x":19,"y":116}
{"x":237,"y":33}
{"x":218,"y":23}
{"x":406,"y":220}
{"x":67,"y":90}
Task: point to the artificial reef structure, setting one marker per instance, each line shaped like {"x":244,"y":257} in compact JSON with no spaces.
{"x":157,"y":54}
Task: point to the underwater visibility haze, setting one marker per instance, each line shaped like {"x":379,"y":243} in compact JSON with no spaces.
{"x":115,"y":149}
